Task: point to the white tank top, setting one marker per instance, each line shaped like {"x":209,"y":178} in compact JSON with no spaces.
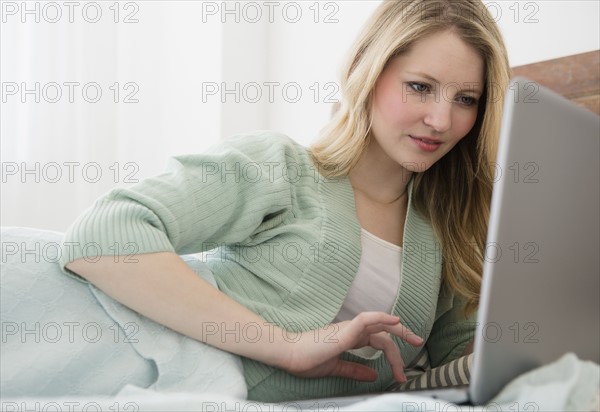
{"x":376,"y":285}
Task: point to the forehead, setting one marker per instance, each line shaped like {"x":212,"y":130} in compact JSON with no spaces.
{"x":445,"y":57}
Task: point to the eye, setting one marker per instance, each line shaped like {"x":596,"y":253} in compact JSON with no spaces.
{"x":419,"y":87}
{"x":467,"y":100}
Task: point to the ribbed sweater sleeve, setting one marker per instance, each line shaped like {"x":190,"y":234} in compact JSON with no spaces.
{"x":218,"y":197}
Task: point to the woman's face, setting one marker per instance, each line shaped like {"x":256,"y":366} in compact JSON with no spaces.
{"x":425,"y":100}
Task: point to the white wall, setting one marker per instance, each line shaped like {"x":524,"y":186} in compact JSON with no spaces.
{"x":543,"y":30}
{"x":310,"y":53}
{"x":292,"y":61}
{"x":178,"y":57}
{"x":58,"y":157}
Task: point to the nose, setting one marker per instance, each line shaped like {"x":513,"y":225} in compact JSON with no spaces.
{"x":439,"y":115}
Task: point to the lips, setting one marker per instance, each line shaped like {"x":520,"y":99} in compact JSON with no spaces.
{"x":426,"y":144}
{"x":427,"y":140}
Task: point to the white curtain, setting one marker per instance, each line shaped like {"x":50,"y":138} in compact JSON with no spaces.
{"x":91,"y":105}
{"x":100,"y":94}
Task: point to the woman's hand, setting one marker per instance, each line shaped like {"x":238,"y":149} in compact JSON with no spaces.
{"x":317,"y":353}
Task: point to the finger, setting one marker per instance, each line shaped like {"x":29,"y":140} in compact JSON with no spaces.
{"x":356,"y":332}
{"x":385,"y":343}
{"x":352,"y":370}
{"x":372,"y":318}
{"x":367,"y":323}
{"x":405,"y":334}
{"x":397,"y":329}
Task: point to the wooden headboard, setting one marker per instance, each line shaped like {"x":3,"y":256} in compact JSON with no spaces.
{"x":576,"y":77}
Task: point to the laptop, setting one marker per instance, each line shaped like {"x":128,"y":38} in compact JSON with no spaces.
{"x":540,"y":295}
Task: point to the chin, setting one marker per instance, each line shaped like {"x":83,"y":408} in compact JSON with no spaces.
{"x":416,"y":166}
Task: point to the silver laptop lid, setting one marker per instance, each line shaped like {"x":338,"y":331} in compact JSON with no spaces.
{"x":540,"y":295}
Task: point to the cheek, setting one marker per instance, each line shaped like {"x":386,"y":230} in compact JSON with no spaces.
{"x":393,"y":109}
{"x":464,"y":123}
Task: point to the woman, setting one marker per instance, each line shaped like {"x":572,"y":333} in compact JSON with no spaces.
{"x":369,"y":242}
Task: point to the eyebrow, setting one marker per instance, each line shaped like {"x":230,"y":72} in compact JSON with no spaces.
{"x":472,"y":85}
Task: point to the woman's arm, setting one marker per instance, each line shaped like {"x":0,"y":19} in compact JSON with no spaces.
{"x":163,"y":288}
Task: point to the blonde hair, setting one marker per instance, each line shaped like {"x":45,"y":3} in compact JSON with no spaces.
{"x":454,"y":194}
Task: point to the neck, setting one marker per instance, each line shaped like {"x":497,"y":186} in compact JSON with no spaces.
{"x":379,"y":178}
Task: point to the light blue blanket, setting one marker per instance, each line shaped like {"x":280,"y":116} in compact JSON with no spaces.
{"x":61,"y":336}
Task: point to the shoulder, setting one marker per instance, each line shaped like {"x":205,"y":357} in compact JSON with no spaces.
{"x":262,"y":148}
{"x":262,"y":137}
{"x":266,"y":140}
{"x":249,"y":160}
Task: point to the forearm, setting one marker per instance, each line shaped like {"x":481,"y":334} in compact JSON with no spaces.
{"x":163,"y":288}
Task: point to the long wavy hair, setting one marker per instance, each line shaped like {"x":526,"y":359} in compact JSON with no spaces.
{"x":454,"y":194}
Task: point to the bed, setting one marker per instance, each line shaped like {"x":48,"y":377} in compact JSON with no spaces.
{"x":177,"y":382}
{"x":576,"y":77}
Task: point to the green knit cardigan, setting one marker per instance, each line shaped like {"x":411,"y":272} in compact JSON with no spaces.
{"x":281,"y":239}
